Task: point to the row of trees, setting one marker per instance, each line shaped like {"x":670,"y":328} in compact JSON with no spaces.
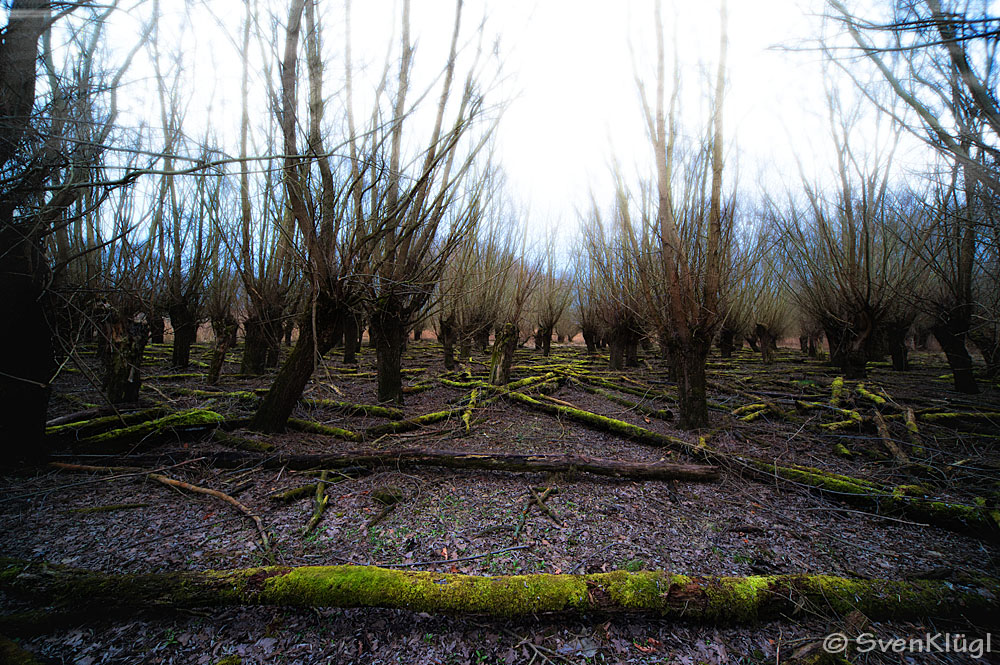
{"x":351,"y":201}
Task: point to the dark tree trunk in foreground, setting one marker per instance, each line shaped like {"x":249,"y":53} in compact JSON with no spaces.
{"x":503,"y":354}
{"x":690,"y":375}
{"x":543,"y":340}
{"x":27,"y":362}
{"x":123,"y":378}
{"x":616,"y":353}
{"x":184,"y":320}
{"x":313,"y":342}
{"x":590,"y":339}
{"x":388,"y":335}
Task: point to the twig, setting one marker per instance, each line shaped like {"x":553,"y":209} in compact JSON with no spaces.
{"x":464,"y":558}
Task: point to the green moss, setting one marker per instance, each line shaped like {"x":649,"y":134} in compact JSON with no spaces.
{"x":841,"y":450}
{"x":84,"y":428}
{"x":319,"y":428}
{"x":370,"y":410}
{"x":231,"y":659}
{"x":870,"y":395}
{"x":837,"y":390}
{"x":153,"y":429}
{"x":738,"y":598}
{"x":749,"y":408}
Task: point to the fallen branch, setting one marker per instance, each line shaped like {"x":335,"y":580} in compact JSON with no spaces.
{"x":693,"y":598}
{"x":265,"y":543}
{"x":453,"y":459}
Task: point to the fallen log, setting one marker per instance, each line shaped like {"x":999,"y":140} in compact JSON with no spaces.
{"x":150,"y":432}
{"x":92,"y":425}
{"x":452,"y":459}
{"x":692,"y":598}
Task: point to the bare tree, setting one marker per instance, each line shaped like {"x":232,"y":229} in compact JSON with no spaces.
{"x":691,"y":237}
{"x":940,"y":61}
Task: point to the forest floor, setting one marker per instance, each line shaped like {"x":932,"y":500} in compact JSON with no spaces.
{"x":466,"y":521}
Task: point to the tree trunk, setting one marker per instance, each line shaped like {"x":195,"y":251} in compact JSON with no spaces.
{"x":666,"y":595}
{"x":689,"y":372}
{"x":590,"y":339}
{"x":503,"y":354}
{"x":813,"y":344}
{"x":767,"y":344}
{"x":752,"y":341}
{"x":482,"y":339}
{"x":157,"y":327}
{"x":184,"y":320}
{"x":896,"y":340}
{"x":632,"y":351}
{"x":255,"y":346}
{"x":543,"y":340}
{"x":847,"y":352}
{"x":289,"y":329}
{"x":388,"y":334}
{"x":27,"y":363}
{"x":225,"y":338}
{"x":951,"y":336}
{"x":123,"y":378}
{"x":313,"y":342}
{"x":446,"y":331}
{"x":274,"y":334}
{"x":616,"y":353}
{"x":727,"y":342}
{"x":352,"y":339}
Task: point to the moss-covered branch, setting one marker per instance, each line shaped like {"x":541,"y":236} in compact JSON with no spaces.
{"x":707,"y":599}
{"x":152,"y":432}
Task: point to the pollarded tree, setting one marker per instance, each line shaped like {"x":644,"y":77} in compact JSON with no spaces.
{"x":853,"y":249}
{"x":690,"y":232}
{"x":551,"y":298}
{"x":427,"y":206}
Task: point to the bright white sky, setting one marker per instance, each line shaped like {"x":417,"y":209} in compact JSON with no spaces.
{"x":568,"y":67}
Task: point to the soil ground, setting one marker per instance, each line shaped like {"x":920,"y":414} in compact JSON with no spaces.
{"x":464,"y":521}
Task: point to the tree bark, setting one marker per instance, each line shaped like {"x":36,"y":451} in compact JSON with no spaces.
{"x":727,"y":342}
{"x":503,"y":354}
{"x":692,"y":598}
{"x":689,"y":373}
{"x":314,"y":341}
{"x":184,"y":320}
{"x":590,"y":339}
{"x":446,"y":329}
{"x":123,"y":378}
{"x":388,"y":333}
{"x":352,"y":338}
{"x":767,"y":344}
{"x":225,"y":338}
{"x":950,"y":334}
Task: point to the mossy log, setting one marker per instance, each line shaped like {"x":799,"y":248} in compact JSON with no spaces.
{"x":11,"y":653}
{"x":453,"y":459}
{"x":318,"y":428}
{"x":152,"y":432}
{"x":347,"y":408}
{"x":691,"y":598}
{"x":81,"y":429}
{"x":662,"y":414}
{"x":611,"y":425}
